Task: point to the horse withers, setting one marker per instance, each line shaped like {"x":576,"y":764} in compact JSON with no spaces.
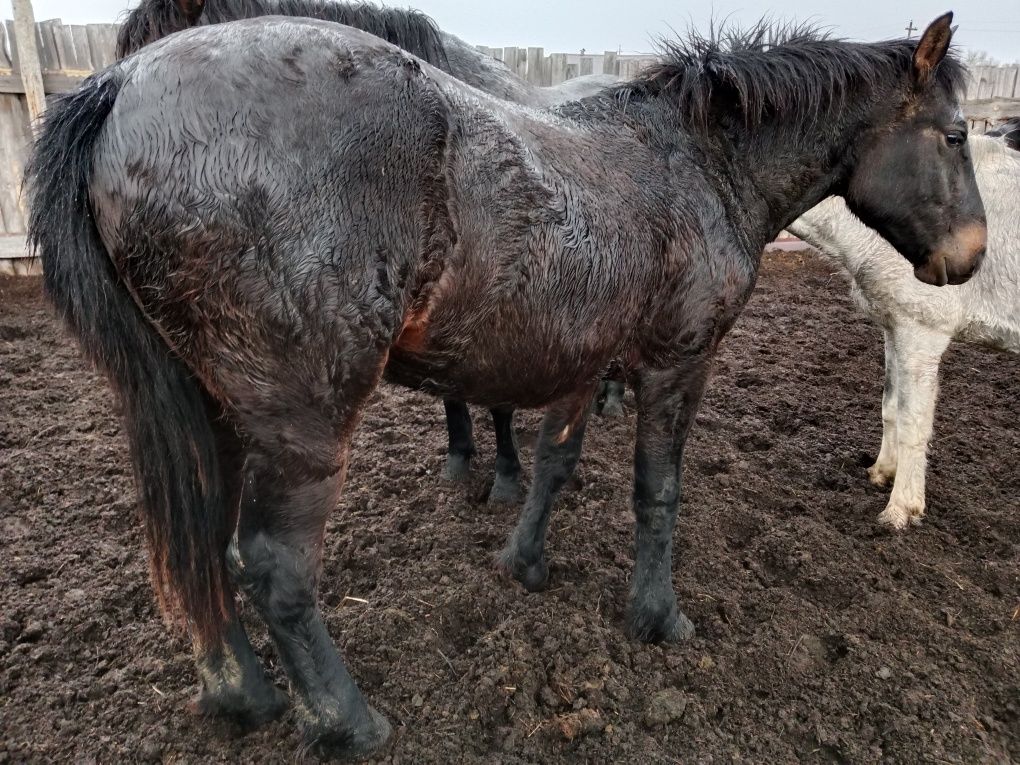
{"x":246,"y":279}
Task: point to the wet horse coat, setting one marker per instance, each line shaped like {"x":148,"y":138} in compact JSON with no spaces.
{"x":247,"y":255}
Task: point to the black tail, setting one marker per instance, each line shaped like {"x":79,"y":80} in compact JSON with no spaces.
{"x":408,"y":29}
{"x":172,"y":442}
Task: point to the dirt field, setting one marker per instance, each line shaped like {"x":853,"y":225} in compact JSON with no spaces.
{"x":821,"y":637}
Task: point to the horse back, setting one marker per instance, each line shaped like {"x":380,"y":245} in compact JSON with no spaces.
{"x":282,"y":173}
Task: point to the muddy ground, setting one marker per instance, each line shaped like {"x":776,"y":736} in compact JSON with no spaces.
{"x":821,"y":636}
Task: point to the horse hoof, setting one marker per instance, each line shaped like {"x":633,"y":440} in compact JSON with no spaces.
{"x":249,"y":709}
{"x":900,"y":516}
{"x":346,"y":745}
{"x":457,"y":468}
{"x":662,"y":626}
{"x":881,"y":475}
{"x":506,"y":490}
{"x":611,"y":409}
{"x":533,"y":576}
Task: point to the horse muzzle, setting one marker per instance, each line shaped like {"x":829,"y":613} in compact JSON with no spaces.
{"x":956,"y":258}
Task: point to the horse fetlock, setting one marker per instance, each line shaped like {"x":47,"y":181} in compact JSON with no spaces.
{"x":334,"y":733}
{"x":250,"y":704}
{"x":234,"y":683}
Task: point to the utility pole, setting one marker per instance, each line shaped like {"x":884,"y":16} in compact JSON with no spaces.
{"x":911,"y":29}
{"x":28,"y":58}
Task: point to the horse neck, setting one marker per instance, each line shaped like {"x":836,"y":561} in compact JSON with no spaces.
{"x":770,"y":174}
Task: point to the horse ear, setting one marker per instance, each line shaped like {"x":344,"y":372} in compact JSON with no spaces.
{"x":933,"y":46}
{"x":191,"y":9}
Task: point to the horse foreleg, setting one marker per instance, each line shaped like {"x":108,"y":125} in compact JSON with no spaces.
{"x":556,"y":456}
{"x":461,"y":444}
{"x":667,"y":404}
{"x":884,"y":469}
{"x":918,"y":352}
{"x":506,"y":486}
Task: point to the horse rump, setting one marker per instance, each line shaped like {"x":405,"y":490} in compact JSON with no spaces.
{"x":165,"y":409}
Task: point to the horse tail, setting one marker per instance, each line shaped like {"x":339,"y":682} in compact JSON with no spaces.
{"x":173,"y":446}
{"x":155,"y":19}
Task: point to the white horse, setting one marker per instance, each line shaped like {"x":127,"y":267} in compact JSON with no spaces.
{"x":920,"y":320}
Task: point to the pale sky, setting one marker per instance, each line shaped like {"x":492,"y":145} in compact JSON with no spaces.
{"x":566,"y":26}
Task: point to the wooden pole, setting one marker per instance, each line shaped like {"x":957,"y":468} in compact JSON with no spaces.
{"x":28,"y":58}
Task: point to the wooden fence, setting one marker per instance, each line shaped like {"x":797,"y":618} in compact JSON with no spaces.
{"x":533,"y":65}
{"x":68,"y":53}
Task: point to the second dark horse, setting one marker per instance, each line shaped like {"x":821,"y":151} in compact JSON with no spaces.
{"x":248,"y":248}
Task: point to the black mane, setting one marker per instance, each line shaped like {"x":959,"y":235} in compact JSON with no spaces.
{"x":411,"y":30}
{"x":795,"y":72}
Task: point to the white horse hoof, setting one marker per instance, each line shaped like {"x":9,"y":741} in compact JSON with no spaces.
{"x":900,"y":516}
{"x":881,"y":475}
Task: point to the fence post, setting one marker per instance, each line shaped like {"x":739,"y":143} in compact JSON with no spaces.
{"x":557,"y":68}
{"x":28,"y":58}
{"x":536,"y":57}
{"x":609,"y":63}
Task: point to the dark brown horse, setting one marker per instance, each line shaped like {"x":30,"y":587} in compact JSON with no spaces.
{"x":416,"y":33}
{"x":248,"y":248}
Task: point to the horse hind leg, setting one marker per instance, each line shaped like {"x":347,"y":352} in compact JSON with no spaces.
{"x":233,"y":683}
{"x":300,"y":434}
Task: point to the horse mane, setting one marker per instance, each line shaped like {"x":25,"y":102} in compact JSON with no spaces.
{"x":797,"y":73}
{"x":1008,"y":132}
{"x":411,"y":30}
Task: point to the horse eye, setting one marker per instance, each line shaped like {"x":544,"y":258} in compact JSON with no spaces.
{"x":956,"y":138}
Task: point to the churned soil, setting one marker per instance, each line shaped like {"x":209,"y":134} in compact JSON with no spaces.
{"x":821,"y":636}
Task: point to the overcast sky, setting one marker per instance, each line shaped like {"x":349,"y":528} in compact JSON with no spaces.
{"x":569,"y":25}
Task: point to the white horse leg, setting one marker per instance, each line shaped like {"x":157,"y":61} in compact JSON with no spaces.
{"x":884,"y":469}
{"x":918,"y":351}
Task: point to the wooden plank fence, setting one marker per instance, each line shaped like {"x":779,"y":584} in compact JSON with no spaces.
{"x":69,"y":53}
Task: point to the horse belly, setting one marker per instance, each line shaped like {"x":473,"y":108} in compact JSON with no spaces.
{"x":526,"y":359}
